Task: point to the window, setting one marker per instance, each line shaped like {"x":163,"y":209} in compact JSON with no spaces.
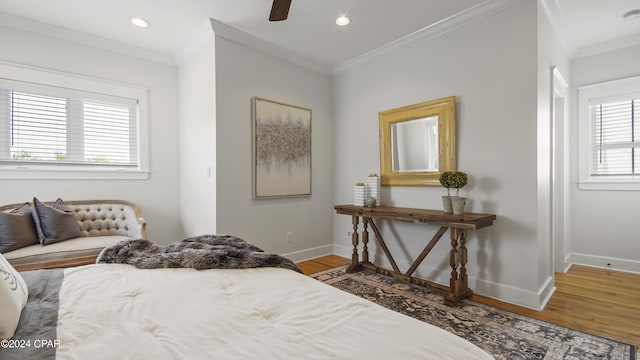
{"x":55,"y":125}
{"x":615,"y":135}
{"x":609,"y":115}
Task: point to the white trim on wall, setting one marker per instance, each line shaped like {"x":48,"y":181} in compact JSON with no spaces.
{"x":252,"y":42}
{"x":553,"y":12}
{"x":464,"y":17}
{"x":77,"y":37}
{"x":560,"y":169}
{"x":604,"y":262}
{"x":308,"y":254}
{"x":625,"y":42}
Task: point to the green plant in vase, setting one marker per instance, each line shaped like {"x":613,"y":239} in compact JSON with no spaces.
{"x":457,"y":181}
{"x":453,"y":180}
{"x":446,"y":199}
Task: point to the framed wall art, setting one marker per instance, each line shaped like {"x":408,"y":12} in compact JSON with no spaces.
{"x":281,"y":150}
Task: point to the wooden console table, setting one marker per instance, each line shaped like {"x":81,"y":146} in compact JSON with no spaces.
{"x":456,"y":224}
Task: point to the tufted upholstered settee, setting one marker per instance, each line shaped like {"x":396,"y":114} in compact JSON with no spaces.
{"x":102,"y":223}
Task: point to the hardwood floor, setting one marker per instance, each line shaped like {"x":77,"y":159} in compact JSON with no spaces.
{"x":597,"y":301}
{"x":323,"y":263}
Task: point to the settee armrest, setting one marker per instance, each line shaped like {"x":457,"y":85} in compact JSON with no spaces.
{"x":137,"y":228}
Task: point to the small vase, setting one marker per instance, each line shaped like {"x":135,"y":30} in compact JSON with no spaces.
{"x":371,"y":201}
{"x":359,"y":194}
{"x":373,"y":187}
{"x":458,"y":203}
{"x":446,"y":204}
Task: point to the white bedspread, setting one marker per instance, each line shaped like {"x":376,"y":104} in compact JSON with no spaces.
{"x":120,"y":312}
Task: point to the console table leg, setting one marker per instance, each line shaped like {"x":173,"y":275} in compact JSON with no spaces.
{"x":458,"y":288}
{"x":365,"y":241}
{"x":451,"y":298}
{"x":463,"y":262}
{"x":354,"y":240}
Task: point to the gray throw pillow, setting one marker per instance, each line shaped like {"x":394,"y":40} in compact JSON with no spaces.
{"x":17,"y":229}
{"x":55,"y":223}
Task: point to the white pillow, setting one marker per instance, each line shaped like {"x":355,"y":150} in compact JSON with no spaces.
{"x":13,"y":297}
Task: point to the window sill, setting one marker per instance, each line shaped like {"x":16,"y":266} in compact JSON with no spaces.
{"x":610,"y":185}
{"x":25,"y":173}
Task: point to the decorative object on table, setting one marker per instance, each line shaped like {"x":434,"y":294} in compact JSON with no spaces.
{"x":371,"y":201}
{"x":373,"y":187}
{"x":457,"y":204}
{"x":446,"y":199}
{"x":359,"y":194}
{"x":281,"y":150}
{"x":456,"y":180}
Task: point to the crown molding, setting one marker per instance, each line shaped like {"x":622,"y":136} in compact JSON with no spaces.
{"x":51,"y":31}
{"x":464,"y":17}
{"x":553,"y":12}
{"x":611,"y":45}
{"x":242,"y":38}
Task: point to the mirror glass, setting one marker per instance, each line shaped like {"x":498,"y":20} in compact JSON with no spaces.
{"x":414,"y":145}
{"x":417,"y":142}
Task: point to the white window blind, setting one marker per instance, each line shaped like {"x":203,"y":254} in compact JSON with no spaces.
{"x":615,"y":136}
{"x":37,"y":126}
{"x":609,"y":135}
{"x":43,"y":124}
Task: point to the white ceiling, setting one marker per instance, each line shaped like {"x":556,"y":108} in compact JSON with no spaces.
{"x":310,"y":30}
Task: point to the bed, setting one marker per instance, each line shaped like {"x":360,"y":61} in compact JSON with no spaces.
{"x":119,"y":311}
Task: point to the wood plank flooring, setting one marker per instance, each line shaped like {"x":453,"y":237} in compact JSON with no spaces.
{"x":323,"y":263}
{"x":597,"y":301}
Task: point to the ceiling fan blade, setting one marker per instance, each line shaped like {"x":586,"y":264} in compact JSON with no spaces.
{"x":279,"y":10}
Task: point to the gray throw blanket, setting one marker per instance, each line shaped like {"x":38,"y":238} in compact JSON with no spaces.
{"x":200,"y":252}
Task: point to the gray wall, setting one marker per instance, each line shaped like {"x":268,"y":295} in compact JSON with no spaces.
{"x":242,"y":73}
{"x":491,"y":67}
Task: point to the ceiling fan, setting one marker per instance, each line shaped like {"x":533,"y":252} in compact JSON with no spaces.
{"x":279,"y":10}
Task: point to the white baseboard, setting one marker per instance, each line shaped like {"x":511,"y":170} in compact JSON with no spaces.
{"x":603,"y":262}
{"x":344,"y":251}
{"x":308,"y":254}
{"x":510,"y":294}
{"x":545,"y":292}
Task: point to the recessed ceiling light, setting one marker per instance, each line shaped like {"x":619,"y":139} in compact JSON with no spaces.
{"x":139,"y":22}
{"x":343,"y":21}
{"x":633,"y":15}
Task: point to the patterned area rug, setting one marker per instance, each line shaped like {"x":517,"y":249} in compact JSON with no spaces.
{"x":503,"y":334}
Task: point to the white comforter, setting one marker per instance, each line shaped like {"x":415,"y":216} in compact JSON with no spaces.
{"x":120,"y":312}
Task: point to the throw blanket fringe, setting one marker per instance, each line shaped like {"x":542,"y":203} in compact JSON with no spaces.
{"x":199,"y":252}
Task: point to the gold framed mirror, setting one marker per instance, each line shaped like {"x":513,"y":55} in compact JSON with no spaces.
{"x":417,"y":143}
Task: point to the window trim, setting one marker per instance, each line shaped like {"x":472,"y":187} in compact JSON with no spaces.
{"x":603,"y":90}
{"x":24,"y":73}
